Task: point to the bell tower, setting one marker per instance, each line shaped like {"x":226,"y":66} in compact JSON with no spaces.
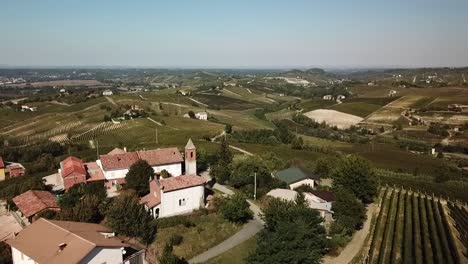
{"x":190,"y":158}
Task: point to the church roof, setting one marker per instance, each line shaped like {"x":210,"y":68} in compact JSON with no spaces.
{"x":190,"y":144}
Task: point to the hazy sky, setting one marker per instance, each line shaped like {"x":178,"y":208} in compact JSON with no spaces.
{"x":236,"y":34}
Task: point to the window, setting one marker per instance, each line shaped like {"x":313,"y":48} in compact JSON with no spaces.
{"x":182,"y":202}
{"x":191,"y":154}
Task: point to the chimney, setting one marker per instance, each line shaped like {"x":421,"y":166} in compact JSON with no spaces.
{"x":62,"y":246}
{"x":125,"y":149}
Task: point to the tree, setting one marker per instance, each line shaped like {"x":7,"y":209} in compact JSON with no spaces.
{"x":236,"y":209}
{"x":191,"y":114}
{"x":128,"y":217}
{"x":297,"y":143}
{"x":358,"y":176}
{"x":293,"y":234}
{"x":87,"y":210}
{"x":323,"y":167}
{"x":138,"y":177}
{"x":165,"y":174}
{"x":228,"y":128}
{"x":221,"y":170}
{"x":169,"y":258}
{"x":382,"y":129}
{"x":272,"y":162}
{"x":5,"y":253}
{"x":349,"y":212}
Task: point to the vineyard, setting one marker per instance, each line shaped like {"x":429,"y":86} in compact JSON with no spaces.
{"x":460,"y":216}
{"x":413,"y":228}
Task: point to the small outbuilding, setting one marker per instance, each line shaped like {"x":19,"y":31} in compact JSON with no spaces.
{"x":295,"y":177}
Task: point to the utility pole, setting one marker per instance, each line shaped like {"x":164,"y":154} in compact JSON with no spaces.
{"x":255,"y":186}
{"x":157,"y":136}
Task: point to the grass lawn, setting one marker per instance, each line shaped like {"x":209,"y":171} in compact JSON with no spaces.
{"x":237,"y":254}
{"x":209,"y":230}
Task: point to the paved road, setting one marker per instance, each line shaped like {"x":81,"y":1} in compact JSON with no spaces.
{"x":356,"y":243}
{"x":249,"y":230}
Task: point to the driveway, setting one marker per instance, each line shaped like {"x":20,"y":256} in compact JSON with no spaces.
{"x":249,"y":230}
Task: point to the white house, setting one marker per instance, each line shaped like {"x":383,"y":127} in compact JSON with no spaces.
{"x":56,"y":242}
{"x":328,"y":97}
{"x":340,"y":97}
{"x":318,"y":200}
{"x":116,"y":164}
{"x":202,"y":116}
{"x":175,"y":195}
{"x":107,"y":92}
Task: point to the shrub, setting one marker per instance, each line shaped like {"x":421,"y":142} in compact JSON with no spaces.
{"x":176,"y":239}
{"x":236,"y":209}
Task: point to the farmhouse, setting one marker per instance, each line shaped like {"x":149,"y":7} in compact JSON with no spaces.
{"x":296,"y":177}
{"x":324,"y":206}
{"x":54,"y":242}
{"x":28,"y":108}
{"x":201,"y":116}
{"x":107,"y":92}
{"x":14,"y":170}
{"x":32,"y":203}
{"x":328,"y":97}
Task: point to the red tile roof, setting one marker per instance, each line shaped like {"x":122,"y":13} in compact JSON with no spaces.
{"x":118,"y":161}
{"x":2,"y":165}
{"x":72,"y":166}
{"x":161,"y":156}
{"x":154,"y":197}
{"x":116,"y":151}
{"x":153,"y":157}
{"x":33,"y":202}
{"x":180,"y":182}
{"x":94,"y":171}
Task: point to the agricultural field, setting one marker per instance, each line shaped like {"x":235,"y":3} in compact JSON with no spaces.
{"x":333,"y":118}
{"x":413,"y":228}
{"x":315,"y":104}
{"x":362,"y":106}
{"x":459,"y":214}
{"x":392,"y":111}
{"x":223,"y":102}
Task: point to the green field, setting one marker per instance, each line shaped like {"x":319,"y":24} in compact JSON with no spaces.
{"x":315,"y":104}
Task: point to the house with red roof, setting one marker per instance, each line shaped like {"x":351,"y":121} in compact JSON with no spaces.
{"x":175,"y":195}
{"x":116,"y":164}
{"x":32,"y":202}
{"x":72,"y":171}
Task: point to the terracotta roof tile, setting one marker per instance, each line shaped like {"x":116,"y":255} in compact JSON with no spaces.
{"x":153,"y":157}
{"x":2,"y":164}
{"x":180,"y":182}
{"x":33,"y":202}
{"x":79,"y":239}
{"x":118,"y":161}
{"x":161,"y":156}
{"x":154,"y":197}
{"x":94,"y":171}
{"x":116,"y":151}
{"x":72,"y":166}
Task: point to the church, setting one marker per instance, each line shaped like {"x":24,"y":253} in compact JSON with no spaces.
{"x":179,"y":194}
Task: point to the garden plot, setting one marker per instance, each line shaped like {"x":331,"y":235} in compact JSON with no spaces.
{"x":334,"y":118}
{"x":392,"y":111}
